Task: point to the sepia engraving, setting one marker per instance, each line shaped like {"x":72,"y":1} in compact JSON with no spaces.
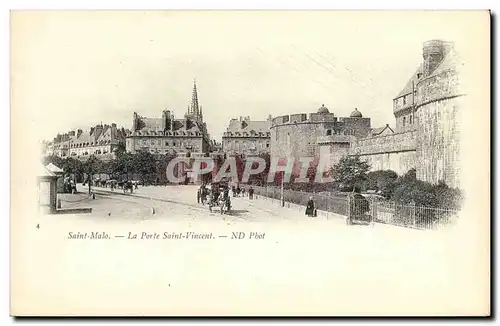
{"x":280,"y":169}
{"x":425,"y":143}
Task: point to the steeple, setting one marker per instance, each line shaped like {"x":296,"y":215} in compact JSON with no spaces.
{"x":194,"y":110}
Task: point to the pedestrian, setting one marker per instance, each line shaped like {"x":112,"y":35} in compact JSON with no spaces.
{"x":310,"y":207}
{"x":250,"y":193}
{"x":72,"y":186}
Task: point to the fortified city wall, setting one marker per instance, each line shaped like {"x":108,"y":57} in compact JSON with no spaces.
{"x":297,"y":135}
{"x":395,"y":152}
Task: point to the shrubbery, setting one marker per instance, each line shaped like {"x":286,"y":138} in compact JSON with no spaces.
{"x":382,"y":181}
{"x":407,"y":190}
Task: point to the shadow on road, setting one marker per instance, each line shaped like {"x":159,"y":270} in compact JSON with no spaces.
{"x":237,"y":212}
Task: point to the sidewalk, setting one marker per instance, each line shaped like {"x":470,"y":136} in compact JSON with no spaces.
{"x":294,"y":211}
{"x":290,"y":208}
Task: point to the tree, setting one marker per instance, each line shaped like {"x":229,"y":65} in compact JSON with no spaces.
{"x":56,"y":160}
{"x":143,"y":163}
{"x":120,"y":149}
{"x":350,"y":171}
{"x":383,"y":181}
{"x":162,"y":161}
{"x":91,"y":166}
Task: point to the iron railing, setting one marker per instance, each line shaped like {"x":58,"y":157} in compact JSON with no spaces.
{"x":367,"y":209}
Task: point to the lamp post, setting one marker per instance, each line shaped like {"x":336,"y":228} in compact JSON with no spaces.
{"x":89,"y":179}
{"x":282,"y":189}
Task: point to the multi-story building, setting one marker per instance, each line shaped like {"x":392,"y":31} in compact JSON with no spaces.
{"x":246,"y":137}
{"x":101,"y":141}
{"x":216,"y":147}
{"x":168,"y":135}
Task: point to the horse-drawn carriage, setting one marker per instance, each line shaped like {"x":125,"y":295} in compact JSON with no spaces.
{"x":216,"y":195}
{"x":125,"y":185}
{"x":221,"y":202}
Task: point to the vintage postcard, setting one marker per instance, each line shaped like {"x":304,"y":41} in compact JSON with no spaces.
{"x":250,"y":163}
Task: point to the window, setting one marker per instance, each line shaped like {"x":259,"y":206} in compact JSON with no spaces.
{"x":404,"y":100}
{"x":329,"y":132}
{"x":404,"y":121}
{"x":267,"y":145}
{"x":166,"y":143}
{"x":411,"y":119}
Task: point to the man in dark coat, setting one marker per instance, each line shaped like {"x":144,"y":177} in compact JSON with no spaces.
{"x":310,"y":207}
{"x":250,"y":193}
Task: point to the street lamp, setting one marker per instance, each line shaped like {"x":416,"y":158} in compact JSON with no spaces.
{"x":282,"y":189}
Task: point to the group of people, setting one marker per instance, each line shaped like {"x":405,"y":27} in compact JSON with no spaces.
{"x":237,"y":191}
{"x":69,"y":185}
{"x":311,"y":208}
{"x":221,"y":193}
{"x":216,"y":192}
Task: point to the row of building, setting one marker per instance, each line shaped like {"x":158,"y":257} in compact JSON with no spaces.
{"x":425,"y":137}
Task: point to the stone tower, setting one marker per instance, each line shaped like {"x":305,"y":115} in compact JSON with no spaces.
{"x":438,"y":103}
{"x":433,"y":54}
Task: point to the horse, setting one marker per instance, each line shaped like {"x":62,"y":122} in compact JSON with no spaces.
{"x":128,"y":186}
{"x":203,"y":194}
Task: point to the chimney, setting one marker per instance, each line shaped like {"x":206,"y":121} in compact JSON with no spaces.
{"x":92,"y":129}
{"x":165,"y":121}
{"x":79,"y":132}
{"x":134,"y":122}
{"x":72,"y":133}
{"x":113,"y":131}
{"x":98,"y":130}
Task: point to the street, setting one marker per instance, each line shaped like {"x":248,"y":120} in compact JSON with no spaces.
{"x":300,"y":266}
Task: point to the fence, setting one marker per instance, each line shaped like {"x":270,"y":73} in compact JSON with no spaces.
{"x":360,"y":209}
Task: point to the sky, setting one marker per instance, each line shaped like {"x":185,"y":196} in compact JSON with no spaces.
{"x":73,"y":70}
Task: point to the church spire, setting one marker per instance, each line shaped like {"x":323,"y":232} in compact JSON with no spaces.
{"x":194,"y":102}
